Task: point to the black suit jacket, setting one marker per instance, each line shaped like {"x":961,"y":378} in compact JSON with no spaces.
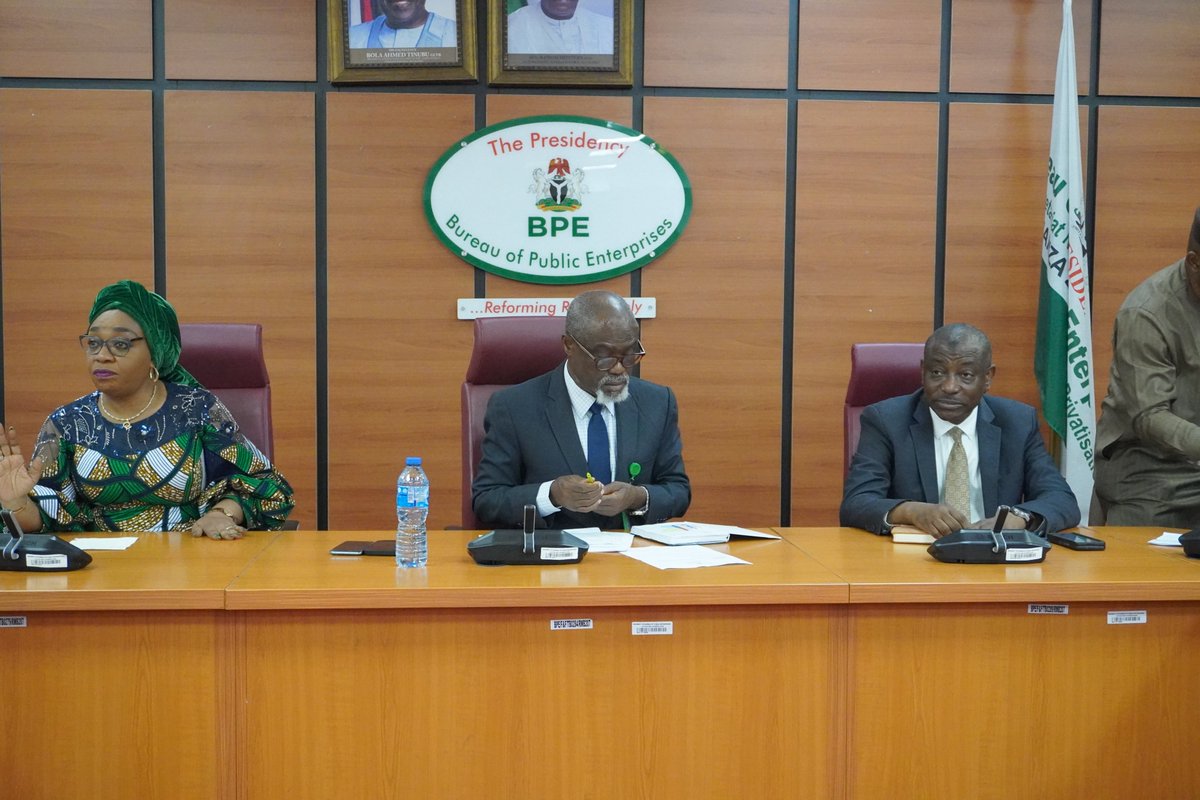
{"x":895,"y":462}
{"x":530,"y":438}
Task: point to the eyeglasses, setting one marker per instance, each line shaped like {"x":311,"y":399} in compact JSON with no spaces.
{"x":605,"y":363}
{"x":117,"y":345}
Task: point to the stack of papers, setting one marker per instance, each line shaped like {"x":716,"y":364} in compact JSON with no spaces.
{"x":683,"y":533}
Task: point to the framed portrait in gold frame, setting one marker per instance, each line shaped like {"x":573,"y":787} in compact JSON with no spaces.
{"x":560,"y":42}
{"x":401,"y":41}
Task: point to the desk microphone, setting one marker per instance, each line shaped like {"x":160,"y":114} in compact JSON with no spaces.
{"x":525,"y":547}
{"x":990,"y":546}
{"x":36,"y":552}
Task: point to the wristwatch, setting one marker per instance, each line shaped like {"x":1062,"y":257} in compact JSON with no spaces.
{"x":1021,"y":514}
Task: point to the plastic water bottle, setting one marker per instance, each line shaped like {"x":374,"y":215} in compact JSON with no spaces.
{"x":412,"y":508}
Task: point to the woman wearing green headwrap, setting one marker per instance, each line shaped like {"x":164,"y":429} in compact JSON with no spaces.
{"x":150,"y":449}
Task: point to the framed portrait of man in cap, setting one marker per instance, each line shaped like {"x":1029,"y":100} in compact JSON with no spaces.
{"x":580,"y":42}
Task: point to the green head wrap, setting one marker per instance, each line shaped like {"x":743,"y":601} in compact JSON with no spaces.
{"x":159,"y":324}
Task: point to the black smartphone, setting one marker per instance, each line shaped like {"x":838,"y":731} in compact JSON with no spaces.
{"x":383,"y":547}
{"x":1076,"y":541}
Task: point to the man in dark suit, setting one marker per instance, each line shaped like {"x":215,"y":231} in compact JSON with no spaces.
{"x":586,"y":442}
{"x":946,"y":457}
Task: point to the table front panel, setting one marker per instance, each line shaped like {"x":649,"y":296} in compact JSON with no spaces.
{"x":493,"y":703}
{"x":115,"y":705}
{"x":988,"y":700}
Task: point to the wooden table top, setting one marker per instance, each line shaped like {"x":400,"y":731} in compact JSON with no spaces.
{"x":809,"y":566}
{"x":297,"y":571}
{"x":159,"y":571}
{"x":879,"y":571}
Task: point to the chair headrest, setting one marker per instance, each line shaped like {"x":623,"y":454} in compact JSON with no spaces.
{"x":510,"y":350}
{"x":224,"y":355}
{"x":883,"y":369}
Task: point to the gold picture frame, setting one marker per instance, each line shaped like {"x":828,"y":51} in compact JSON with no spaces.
{"x":358,"y":53}
{"x":542,"y":67}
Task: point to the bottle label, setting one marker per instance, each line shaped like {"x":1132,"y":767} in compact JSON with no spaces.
{"x":412,"y":496}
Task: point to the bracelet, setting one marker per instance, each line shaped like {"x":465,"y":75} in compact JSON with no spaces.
{"x":20,"y":508}
{"x":226,"y":513}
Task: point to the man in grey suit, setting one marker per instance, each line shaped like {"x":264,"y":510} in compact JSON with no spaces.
{"x":946,"y":457}
{"x":586,"y":443}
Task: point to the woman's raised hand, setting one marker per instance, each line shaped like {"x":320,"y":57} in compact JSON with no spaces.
{"x":17,"y":478}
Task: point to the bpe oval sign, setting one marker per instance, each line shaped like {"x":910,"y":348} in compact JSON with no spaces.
{"x":557,"y":199}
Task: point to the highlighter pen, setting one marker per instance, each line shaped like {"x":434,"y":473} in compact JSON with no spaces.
{"x":590,"y":479}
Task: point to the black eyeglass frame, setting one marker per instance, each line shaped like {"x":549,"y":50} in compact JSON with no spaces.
{"x":605,"y":363}
{"x":86,"y":339}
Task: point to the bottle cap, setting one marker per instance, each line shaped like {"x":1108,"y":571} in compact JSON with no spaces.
{"x":413,"y":461}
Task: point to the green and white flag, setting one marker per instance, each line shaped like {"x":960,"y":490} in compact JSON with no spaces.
{"x":1063,"y":358}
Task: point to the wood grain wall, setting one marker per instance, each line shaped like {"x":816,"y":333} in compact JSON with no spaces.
{"x":878,"y":172}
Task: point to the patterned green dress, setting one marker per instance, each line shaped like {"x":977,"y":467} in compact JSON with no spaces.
{"x":161,"y":474}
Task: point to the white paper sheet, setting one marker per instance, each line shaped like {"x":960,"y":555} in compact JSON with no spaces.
{"x":1165,"y":539}
{"x":603,"y":541}
{"x":684,"y":556}
{"x":97,"y":543}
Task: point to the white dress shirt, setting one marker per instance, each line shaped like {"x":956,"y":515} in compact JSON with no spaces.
{"x":943,"y":442}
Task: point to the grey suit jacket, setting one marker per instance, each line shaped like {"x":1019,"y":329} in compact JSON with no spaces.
{"x":895,"y":462}
{"x":530,"y":438}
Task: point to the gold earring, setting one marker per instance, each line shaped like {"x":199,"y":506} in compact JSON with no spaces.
{"x":153,"y":373}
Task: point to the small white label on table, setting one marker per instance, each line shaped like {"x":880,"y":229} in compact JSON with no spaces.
{"x":653,"y":628}
{"x":53,"y":561}
{"x":1048,"y":608}
{"x":1127,"y":618}
{"x":570,"y":624}
{"x":560,"y":553}
{"x":12,"y":622}
{"x":1023,"y":554}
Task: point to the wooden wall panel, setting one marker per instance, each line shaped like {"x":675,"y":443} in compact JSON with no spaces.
{"x":509,"y":106}
{"x":866,"y":182}
{"x":397,"y":353}
{"x":713,"y":43}
{"x":1147,"y":171}
{"x":717,"y":338}
{"x":104,"y":39}
{"x":240,"y":217}
{"x":881,"y":45}
{"x":996,"y":197}
{"x":1150,"y":47}
{"x":76,"y":212}
{"x":236,"y":40}
{"x":1013,"y":47}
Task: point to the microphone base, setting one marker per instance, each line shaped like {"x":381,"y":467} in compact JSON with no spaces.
{"x":508,"y":547}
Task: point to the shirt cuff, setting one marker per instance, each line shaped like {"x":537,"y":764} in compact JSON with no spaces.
{"x":641,"y":512}
{"x":544,"y":506}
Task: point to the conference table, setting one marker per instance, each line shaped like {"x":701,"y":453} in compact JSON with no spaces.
{"x":836,"y":664}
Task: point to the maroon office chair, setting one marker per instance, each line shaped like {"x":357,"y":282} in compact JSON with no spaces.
{"x":507,"y":351}
{"x":227,"y":359}
{"x":877,"y":371}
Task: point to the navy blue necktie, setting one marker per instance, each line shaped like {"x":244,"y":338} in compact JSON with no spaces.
{"x":598,"y":464}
